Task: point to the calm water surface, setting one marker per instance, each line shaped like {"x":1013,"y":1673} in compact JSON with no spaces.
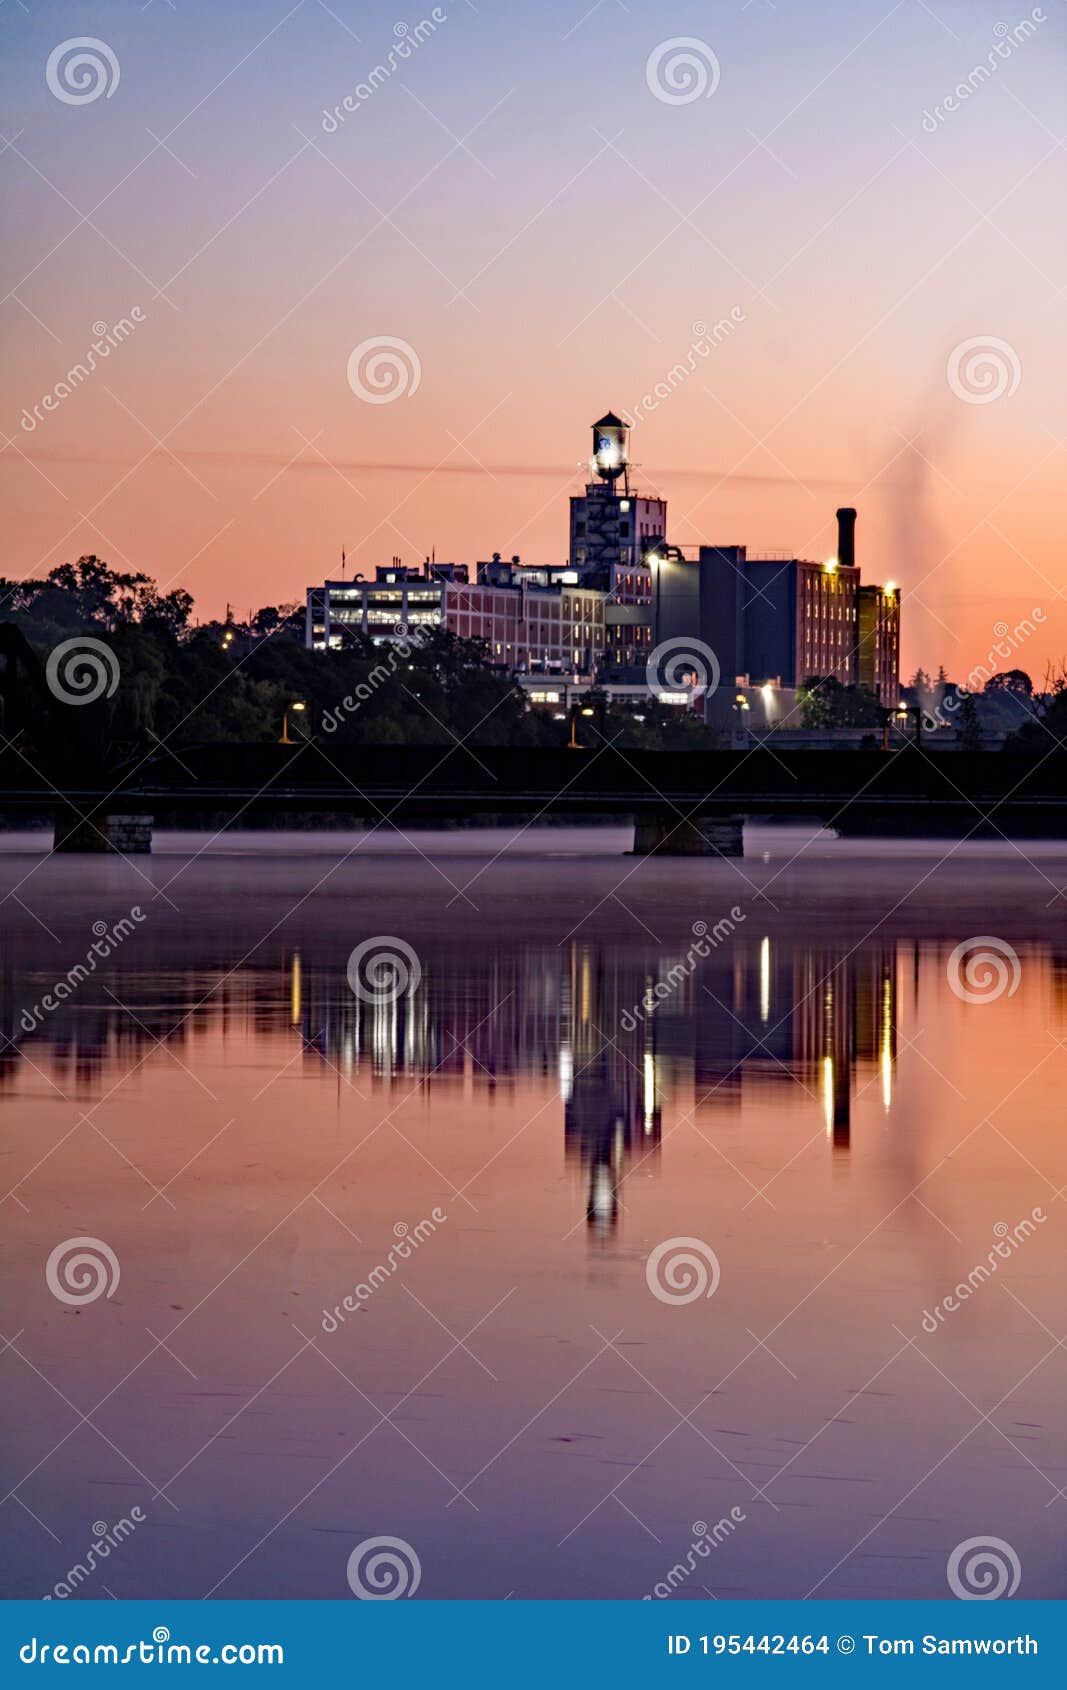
{"x":843,"y":1135}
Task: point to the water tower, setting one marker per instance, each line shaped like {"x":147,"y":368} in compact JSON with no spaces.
{"x":611,"y":448}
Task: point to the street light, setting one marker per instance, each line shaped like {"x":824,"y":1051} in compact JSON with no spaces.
{"x":297,"y":704}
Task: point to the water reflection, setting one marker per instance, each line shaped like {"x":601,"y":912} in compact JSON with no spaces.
{"x":619,"y":1032}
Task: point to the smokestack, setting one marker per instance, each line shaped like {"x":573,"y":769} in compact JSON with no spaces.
{"x":846,"y":537}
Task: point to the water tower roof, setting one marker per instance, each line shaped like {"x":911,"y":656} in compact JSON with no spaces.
{"x":610,"y":420}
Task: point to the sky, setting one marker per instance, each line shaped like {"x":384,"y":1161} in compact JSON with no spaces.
{"x":541,"y":210}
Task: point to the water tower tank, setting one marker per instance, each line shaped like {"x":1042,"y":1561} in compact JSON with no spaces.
{"x":611,"y":446}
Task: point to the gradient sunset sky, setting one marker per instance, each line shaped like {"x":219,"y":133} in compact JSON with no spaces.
{"x":518,"y":204}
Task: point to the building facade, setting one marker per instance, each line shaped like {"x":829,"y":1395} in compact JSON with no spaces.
{"x":879,"y":641}
{"x":623,"y":592}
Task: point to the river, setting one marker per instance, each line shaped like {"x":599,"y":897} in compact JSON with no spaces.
{"x":682,"y":1228}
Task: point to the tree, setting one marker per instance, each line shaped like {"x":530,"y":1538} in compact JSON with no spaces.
{"x":1011,"y":680}
{"x":826,"y":703}
{"x":968,"y":727}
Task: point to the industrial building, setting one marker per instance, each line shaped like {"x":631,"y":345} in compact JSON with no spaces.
{"x":771,"y":621}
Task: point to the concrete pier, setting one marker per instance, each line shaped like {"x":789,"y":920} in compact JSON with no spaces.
{"x":130,"y":836}
{"x":665,"y":834}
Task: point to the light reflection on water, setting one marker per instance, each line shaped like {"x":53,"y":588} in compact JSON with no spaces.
{"x":827,"y":1116}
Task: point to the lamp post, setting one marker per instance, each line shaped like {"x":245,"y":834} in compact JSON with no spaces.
{"x":299,"y":705}
{"x":576,"y":711}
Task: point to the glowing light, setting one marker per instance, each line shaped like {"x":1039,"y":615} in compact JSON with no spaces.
{"x":649,"y":1090}
{"x":830,"y":566}
{"x":765,"y":980}
{"x":886,"y":1052}
{"x":295,"y":990}
{"x":828,"y":1094}
{"x":890,"y":588}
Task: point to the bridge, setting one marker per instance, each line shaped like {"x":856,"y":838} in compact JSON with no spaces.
{"x":682,"y":803}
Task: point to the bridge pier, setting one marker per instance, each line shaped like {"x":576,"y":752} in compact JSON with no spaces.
{"x":130,"y":836}
{"x":665,"y":834}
